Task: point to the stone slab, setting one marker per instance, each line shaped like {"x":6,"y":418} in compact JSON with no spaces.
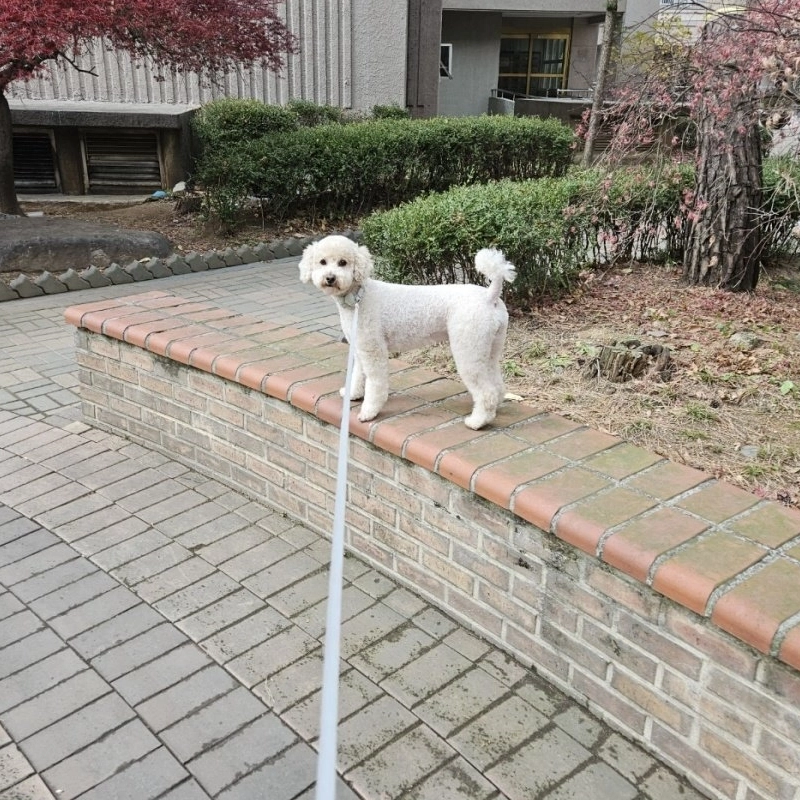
{"x":49,"y":243}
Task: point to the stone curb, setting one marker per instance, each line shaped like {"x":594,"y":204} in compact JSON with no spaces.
{"x":147,"y":269}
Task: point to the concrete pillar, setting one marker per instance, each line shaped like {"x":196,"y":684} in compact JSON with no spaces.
{"x":69,"y":159}
{"x":173,"y":166}
{"x":422,"y":57}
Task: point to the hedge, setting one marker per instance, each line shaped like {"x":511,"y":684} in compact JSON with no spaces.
{"x":232,"y":121}
{"x":552,"y":228}
{"x":229,"y":122}
{"x":337,"y":170}
{"x":549,"y":228}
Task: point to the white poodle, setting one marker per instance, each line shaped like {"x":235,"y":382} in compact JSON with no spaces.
{"x":395,"y":317}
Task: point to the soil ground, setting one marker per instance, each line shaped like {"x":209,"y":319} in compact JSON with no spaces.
{"x":732,"y":410}
{"x":186,"y":231}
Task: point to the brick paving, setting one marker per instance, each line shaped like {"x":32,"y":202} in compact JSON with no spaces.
{"x":161,"y":636}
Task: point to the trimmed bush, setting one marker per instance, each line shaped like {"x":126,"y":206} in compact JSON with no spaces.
{"x":549,"y":228}
{"x":434,"y":239}
{"x":392,"y":111}
{"x":229,"y":122}
{"x":232,"y":121}
{"x":310,"y":113}
{"x":340,"y":170}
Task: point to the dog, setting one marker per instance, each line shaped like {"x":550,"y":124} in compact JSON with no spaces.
{"x":394,"y":317}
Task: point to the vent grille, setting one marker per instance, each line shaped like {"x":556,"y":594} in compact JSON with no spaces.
{"x":34,"y":162}
{"x":122,"y":161}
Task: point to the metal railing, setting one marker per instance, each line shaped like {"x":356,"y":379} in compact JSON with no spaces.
{"x":575,"y":94}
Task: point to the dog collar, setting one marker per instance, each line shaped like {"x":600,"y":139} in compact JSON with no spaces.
{"x":352,"y":299}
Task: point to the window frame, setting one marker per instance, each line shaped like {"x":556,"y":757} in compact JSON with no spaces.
{"x":531,"y":37}
{"x":445,"y":60}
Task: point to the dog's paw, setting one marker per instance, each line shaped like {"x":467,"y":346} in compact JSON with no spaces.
{"x":477,"y":421}
{"x":367,"y":415}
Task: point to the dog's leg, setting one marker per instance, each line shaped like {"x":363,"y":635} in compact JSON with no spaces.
{"x":356,"y":382}
{"x":485,"y":398}
{"x":375,"y":363}
{"x":479,"y":368}
{"x":498,"y":389}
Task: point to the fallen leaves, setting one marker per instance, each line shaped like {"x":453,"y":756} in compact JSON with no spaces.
{"x":731,"y":412}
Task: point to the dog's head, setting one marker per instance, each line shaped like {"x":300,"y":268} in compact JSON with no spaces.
{"x":336,"y":265}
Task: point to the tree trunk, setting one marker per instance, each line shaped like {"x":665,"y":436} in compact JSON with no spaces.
{"x":603,"y":70}
{"x":8,"y":196}
{"x":629,"y":358}
{"x":724,"y":244}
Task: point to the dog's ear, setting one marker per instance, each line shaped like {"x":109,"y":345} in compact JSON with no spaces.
{"x":306,"y":263}
{"x":362,"y":267}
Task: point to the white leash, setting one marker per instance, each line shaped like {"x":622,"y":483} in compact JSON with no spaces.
{"x":329,"y":716}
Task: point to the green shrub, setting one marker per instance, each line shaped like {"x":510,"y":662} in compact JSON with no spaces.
{"x":434,"y":239}
{"x":549,"y":228}
{"x":228,"y":122}
{"x":633,"y":213}
{"x":781,"y":204}
{"x":310,"y":114}
{"x":340,"y":170}
{"x":227,"y":178}
{"x":392,"y":111}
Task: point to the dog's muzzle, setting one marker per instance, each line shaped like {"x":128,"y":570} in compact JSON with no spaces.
{"x":329,"y":280}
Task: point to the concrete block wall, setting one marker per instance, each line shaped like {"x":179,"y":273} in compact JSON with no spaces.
{"x":664,"y":600}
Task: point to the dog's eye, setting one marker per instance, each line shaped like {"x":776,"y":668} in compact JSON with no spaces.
{"x":342,"y":262}
{"x":323,"y":262}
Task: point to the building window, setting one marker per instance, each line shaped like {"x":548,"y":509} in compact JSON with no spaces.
{"x":446,"y":61}
{"x":533,"y":64}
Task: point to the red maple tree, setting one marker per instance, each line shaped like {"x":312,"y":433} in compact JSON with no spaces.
{"x":206,"y":36}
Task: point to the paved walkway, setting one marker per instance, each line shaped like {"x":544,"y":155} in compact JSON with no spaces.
{"x":160,"y":635}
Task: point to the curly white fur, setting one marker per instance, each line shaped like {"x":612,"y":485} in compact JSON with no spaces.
{"x":395,"y":317}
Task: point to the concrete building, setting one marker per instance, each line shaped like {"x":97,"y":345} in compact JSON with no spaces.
{"x":125,"y":128}
{"x":691,"y":16}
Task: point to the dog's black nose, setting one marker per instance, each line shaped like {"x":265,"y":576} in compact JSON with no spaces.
{"x":330,"y":280}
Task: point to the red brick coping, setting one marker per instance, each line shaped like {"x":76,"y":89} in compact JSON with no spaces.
{"x":719,"y":551}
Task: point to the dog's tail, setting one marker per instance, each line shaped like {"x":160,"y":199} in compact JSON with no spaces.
{"x":492,"y":263}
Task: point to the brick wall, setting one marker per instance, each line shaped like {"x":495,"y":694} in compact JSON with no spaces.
{"x":547,"y":539}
